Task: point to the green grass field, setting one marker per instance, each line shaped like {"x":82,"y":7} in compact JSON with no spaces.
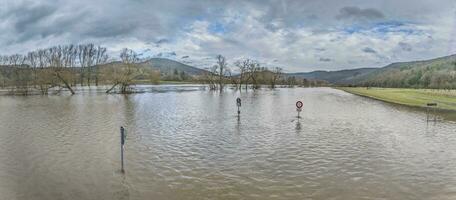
{"x":445,"y":99}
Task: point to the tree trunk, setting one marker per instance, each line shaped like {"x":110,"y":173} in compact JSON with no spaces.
{"x":108,"y":91}
{"x":96,"y":79}
{"x":89,"y":73}
{"x":66,"y":83}
{"x":82,"y":76}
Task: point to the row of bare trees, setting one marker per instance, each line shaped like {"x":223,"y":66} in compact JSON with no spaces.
{"x":66,"y":66}
{"x":249,"y":74}
{"x":55,"y":66}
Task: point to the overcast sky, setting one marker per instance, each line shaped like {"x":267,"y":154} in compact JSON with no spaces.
{"x":298,"y":35}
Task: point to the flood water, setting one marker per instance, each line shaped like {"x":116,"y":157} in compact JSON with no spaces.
{"x":187,"y":143}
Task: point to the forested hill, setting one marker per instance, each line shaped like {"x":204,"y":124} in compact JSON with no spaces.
{"x":435,"y":73}
{"x":350,"y":76}
{"x":169,"y":66}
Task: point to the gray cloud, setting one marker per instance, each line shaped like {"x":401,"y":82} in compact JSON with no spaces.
{"x":110,"y":29}
{"x":162,"y":41}
{"x":405,"y":46}
{"x":325,"y":59}
{"x":369,"y":50}
{"x":166,"y":54}
{"x":29,"y":15}
{"x":38,"y":20}
{"x":304,"y":35}
{"x":356,"y":13}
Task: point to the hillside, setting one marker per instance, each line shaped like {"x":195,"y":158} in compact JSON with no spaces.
{"x":349,"y":76}
{"x":167,"y":66}
{"x":434,"y":73}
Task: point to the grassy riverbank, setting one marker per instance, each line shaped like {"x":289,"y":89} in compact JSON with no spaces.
{"x":445,"y":99}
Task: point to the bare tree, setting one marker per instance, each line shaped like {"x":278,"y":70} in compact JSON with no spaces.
{"x":60,"y":59}
{"x":86,"y":55}
{"x":44,"y":79}
{"x":101,"y":57}
{"x":222,"y":67}
{"x":254,"y":72}
{"x":90,"y":51}
{"x":243,"y":66}
{"x":82,"y":59}
{"x":125,"y":75}
{"x":210,"y":77}
{"x":33,"y":62}
{"x":276,"y":75}
{"x":234,"y":80}
{"x":21,"y":74}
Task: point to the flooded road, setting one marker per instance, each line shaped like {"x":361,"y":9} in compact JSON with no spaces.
{"x":187,"y":143}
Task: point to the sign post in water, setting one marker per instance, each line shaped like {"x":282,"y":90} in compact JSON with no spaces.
{"x":123,"y":136}
{"x":433,"y":106}
{"x":299,"y":105}
{"x":238,"y":103}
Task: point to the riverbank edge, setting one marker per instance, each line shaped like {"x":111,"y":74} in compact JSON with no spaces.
{"x":390,"y":101}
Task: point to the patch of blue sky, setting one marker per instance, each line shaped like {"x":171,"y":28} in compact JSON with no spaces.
{"x":217,"y":28}
{"x":198,"y":18}
{"x":384,"y":28}
{"x":353,"y":29}
{"x":397,"y":27}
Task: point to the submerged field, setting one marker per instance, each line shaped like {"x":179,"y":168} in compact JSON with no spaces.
{"x":445,"y":99}
{"x":185,"y":142}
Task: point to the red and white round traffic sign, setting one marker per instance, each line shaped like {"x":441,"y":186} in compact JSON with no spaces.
{"x":299,"y":104}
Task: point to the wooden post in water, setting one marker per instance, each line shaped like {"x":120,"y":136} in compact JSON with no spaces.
{"x":122,"y":143}
{"x":428,"y":106}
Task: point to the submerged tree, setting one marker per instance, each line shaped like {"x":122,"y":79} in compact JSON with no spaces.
{"x":124,"y":76}
{"x":254,"y":73}
{"x":275,"y":76}
{"x":101,"y":57}
{"x":242,"y":66}
{"x":216,"y":76}
{"x":221,"y":71}
{"x":61,"y":61}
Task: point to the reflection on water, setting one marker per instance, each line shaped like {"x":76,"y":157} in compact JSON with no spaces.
{"x":190,"y":144}
{"x":298,"y":125}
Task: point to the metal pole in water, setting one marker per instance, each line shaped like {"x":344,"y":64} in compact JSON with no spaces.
{"x":435,"y":116}
{"x":427,"y":114}
{"x":299,"y":105}
{"x":238,"y":103}
{"x":122,"y":142}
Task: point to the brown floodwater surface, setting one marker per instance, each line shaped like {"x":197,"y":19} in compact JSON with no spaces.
{"x":184,"y":142}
